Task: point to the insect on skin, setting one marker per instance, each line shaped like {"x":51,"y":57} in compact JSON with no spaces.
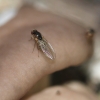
{"x":58,"y":92}
{"x":43,"y":45}
{"x":90,"y":33}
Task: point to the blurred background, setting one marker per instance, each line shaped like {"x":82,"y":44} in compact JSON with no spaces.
{"x":83,"y":12}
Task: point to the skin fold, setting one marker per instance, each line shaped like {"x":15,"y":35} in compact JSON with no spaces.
{"x":71,"y":91}
{"x":20,"y":69}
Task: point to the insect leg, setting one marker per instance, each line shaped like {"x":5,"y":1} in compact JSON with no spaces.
{"x":38,"y":50}
{"x":34,"y":47}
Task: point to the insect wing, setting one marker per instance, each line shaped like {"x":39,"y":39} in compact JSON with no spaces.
{"x":47,"y":49}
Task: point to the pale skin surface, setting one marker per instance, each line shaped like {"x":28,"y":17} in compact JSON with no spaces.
{"x":20,"y":69}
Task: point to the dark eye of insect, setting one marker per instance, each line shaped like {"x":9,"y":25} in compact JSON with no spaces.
{"x":37,"y":34}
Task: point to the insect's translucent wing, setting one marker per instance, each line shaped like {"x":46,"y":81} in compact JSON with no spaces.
{"x":47,"y":49}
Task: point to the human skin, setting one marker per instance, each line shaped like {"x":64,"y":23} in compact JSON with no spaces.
{"x":70,"y":91}
{"x":20,"y":69}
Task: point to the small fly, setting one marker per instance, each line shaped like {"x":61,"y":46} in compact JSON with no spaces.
{"x":43,"y":45}
{"x":90,"y":35}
